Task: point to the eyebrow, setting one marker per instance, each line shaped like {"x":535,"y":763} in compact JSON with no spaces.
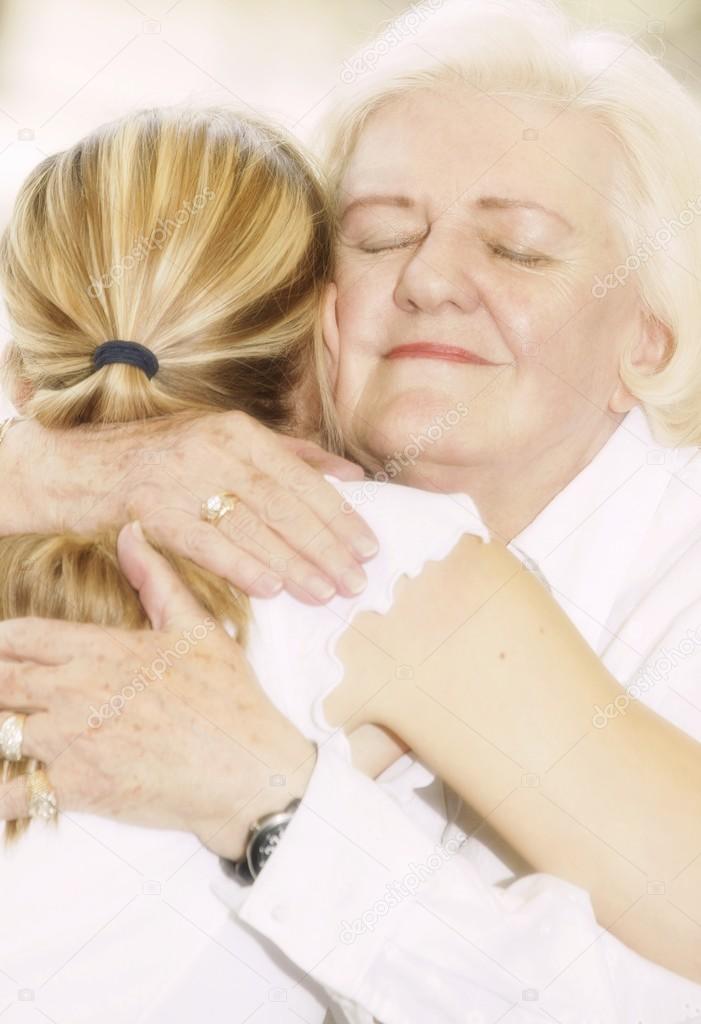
{"x":502,"y":203}
{"x":483,"y":203}
{"x":378,"y":199}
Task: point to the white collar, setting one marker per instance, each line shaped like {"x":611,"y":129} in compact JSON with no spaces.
{"x":585,"y":539}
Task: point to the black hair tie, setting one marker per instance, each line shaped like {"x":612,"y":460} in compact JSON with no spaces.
{"x":129,"y":352}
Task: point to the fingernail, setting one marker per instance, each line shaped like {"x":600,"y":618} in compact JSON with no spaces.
{"x":320,"y":588}
{"x":365,"y":547}
{"x":355,"y":580}
{"x":268,"y":585}
{"x":137,"y":530}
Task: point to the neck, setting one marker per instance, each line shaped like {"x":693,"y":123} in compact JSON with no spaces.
{"x":510,"y":493}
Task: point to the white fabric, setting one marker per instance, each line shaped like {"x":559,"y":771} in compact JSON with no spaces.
{"x":292,"y":645}
{"x":620,"y":547}
{"x":103,"y":922}
{"x":108,"y":922}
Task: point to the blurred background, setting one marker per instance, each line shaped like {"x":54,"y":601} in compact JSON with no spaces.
{"x":70,"y":65}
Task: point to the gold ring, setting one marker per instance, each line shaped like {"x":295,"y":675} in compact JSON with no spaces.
{"x":41,"y":796}
{"x":218,"y":506}
{"x":11,"y":737}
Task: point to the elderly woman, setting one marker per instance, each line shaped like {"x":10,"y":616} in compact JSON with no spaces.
{"x":517,"y":315}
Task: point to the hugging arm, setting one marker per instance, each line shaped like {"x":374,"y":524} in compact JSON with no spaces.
{"x":500,"y":702}
{"x":607,"y":817}
{"x":356,"y":894}
{"x":290,"y":529}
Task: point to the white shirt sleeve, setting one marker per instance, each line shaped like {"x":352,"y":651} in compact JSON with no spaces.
{"x":395,"y":925}
{"x":401,"y":929}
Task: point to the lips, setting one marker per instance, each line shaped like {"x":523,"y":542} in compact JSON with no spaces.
{"x":433,"y":350}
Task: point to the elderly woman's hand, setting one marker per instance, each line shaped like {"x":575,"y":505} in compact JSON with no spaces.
{"x":166,"y":728}
{"x":290,"y":528}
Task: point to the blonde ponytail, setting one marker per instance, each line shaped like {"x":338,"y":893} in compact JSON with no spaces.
{"x":202,"y":236}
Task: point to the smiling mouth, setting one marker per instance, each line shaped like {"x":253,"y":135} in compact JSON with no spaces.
{"x":431,"y":350}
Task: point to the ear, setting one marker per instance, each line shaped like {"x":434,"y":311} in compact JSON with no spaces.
{"x":329,"y":327}
{"x":649,"y":353}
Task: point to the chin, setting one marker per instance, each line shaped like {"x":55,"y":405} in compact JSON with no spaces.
{"x":411,"y":433}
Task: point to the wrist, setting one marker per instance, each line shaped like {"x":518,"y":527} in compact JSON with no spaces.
{"x":289,"y":782}
{"x":270,"y":790}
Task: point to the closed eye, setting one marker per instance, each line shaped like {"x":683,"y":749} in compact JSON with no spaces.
{"x":523,"y":259}
{"x":399,"y":242}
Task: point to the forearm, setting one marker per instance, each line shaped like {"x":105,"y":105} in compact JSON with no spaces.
{"x":54,"y":482}
{"x":13,"y":496}
{"x":505,"y":716}
{"x":161,"y":471}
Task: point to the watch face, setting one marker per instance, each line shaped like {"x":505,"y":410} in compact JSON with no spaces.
{"x":266,"y":835}
{"x":264,"y":844}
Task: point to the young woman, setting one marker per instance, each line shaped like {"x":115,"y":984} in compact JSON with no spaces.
{"x":168,"y":264}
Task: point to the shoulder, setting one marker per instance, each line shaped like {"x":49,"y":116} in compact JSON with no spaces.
{"x":395,"y":511}
{"x":413,"y":528}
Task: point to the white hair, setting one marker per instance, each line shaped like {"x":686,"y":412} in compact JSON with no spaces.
{"x":530,"y":48}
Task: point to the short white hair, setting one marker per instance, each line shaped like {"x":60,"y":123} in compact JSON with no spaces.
{"x":531,"y":48}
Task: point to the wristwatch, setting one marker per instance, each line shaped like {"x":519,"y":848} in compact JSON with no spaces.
{"x":263,"y":836}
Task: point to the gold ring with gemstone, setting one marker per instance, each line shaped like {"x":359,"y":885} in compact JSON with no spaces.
{"x":41,"y":796}
{"x":218,"y":506}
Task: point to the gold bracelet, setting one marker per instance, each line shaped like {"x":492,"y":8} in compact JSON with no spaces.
{"x":5,"y":426}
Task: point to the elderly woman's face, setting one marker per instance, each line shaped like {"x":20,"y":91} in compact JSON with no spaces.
{"x":462,"y":233}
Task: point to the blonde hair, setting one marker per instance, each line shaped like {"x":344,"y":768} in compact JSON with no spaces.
{"x":207,"y":238}
{"x":530,"y":48}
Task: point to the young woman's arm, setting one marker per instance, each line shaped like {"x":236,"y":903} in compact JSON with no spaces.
{"x":479,"y":670}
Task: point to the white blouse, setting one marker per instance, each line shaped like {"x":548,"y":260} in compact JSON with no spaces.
{"x":370,"y":891}
{"x":106,"y":922}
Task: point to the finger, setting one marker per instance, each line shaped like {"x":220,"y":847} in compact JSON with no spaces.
{"x":293,"y":516}
{"x":46,"y":641}
{"x":13,"y":799}
{"x":291,"y":473}
{"x":165,"y":598}
{"x":206,"y":545}
{"x":175,"y":522}
{"x":244,"y":551}
{"x":326,"y":462}
{"x":36,"y":736}
{"x":301,"y":578}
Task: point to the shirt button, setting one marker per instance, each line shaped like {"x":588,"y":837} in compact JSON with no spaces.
{"x":279,"y":913}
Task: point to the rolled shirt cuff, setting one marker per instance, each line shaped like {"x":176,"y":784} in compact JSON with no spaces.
{"x":347,"y":857}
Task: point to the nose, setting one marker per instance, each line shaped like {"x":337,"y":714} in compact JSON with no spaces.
{"x":437,"y":277}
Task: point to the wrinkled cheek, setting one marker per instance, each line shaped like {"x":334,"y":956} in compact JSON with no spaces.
{"x":365,"y":293}
{"x":565,"y":341}
{"x":541,"y":321}
{"x":573,"y":368}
